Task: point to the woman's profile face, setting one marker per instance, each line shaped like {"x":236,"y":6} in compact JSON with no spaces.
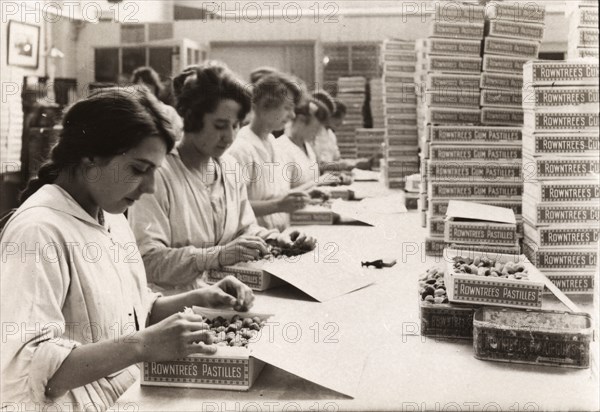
{"x":310,"y":126}
{"x":218,"y":129}
{"x":116,"y":183}
{"x":277,"y":117}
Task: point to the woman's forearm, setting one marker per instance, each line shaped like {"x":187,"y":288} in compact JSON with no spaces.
{"x":265,"y":207}
{"x":94,"y":361}
{"x":165,"y":306}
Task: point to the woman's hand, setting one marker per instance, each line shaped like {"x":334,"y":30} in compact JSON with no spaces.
{"x":294,"y":238}
{"x":228,"y":293}
{"x":292,"y":202}
{"x":175,"y":337}
{"x":243,"y":249}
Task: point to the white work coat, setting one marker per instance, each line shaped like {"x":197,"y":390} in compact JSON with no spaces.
{"x":183,"y":225}
{"x":66,"y":281}
{"x":260,"y":166}
{"x":301,"y":168}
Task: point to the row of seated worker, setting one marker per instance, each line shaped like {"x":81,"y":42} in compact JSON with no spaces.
{"x":95,"y":291}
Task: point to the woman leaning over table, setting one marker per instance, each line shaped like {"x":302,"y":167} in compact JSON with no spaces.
{"x":274,"y":99}
{"x":200,"y":218}
{"x":76,"y":313}
{"x":296,"y":145}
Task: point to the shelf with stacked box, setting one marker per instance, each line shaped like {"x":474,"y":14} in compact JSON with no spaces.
{"x":512,"y":38}
{"x":369,"y":142}
{"x":561,"y":167}
{"x":451,"y":98}
{"x":351,"y":92}
{"x":399,"y":59}
{"x":583,"y":29}
{"x":421,"y":79}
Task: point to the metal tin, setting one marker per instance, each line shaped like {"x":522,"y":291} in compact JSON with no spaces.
{"x":550,"y":338}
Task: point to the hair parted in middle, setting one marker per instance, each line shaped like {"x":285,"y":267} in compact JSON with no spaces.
{"x":273,"y":89}
{"x":199,"y":89}
{"x":312,"y":107}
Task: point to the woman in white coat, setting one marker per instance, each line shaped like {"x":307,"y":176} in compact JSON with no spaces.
{"x":200,"y":218}
{"x":296,"y":145}
{"x":262,"y":168}
{"x":76,"y":313}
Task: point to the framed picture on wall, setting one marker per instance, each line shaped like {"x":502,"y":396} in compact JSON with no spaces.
{"x":23,"y":44}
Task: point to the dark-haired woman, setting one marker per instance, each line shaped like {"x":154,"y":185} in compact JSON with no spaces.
{"x":200,"y":217}
{"x":274,"y":99}
{"x":147,"y":77}
{"x":76,"y":311}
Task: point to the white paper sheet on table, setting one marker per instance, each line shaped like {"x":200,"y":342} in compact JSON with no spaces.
{"x":324,"y":274}
{"x":373,"y":211}
{"x":312,"y":347}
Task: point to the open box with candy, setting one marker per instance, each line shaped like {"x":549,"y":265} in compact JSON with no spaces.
{"x":488,"y":278}
{"x":253,"y":273}
{"x":231,"y":367}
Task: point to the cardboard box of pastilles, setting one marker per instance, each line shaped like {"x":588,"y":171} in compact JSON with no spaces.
{"x":489,"y":278}
{"x":249,"y":273}
{"x":469,"y":223}
{"x":313,"y":215}
{"x":231,"y":367}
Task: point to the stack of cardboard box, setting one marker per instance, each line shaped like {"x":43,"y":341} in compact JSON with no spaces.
{"x":452,"y":64}
{"x":421,"y":79}
{"x":583,"y":29}
{"x":399,"y":101}
{"x":351,"y":92}
{"x":369,"y":142}
{"x":376,"y":103}
{"x":561,"y":166}
{"x":513,"y":35}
